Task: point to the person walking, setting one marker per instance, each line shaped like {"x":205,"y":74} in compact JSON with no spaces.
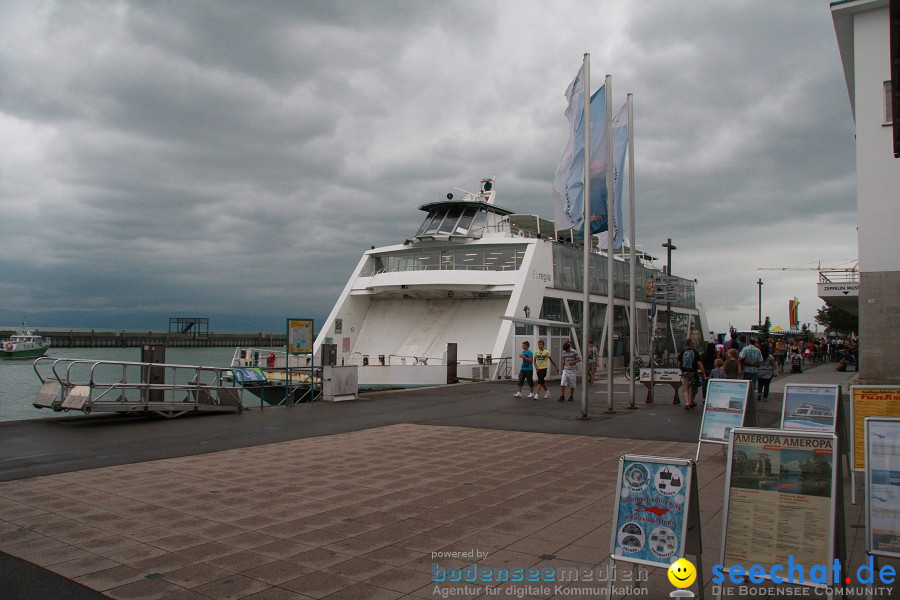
{"x":689,"y":362}
{"x":732,"y":365}
{"x":719,"y":371}
{"x":526,"y":372}
{"x":750,"y":358}
{"x":765,"y":374}
{"x":593,"y":357}
{"x":542,"y":360}
{"x":569,"y":359}
{"x":707,"y":364}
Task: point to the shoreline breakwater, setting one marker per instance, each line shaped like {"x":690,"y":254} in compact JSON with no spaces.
{"x":130,"y":339}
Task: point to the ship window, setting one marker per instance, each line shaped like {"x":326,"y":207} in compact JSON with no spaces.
{"x":428,"y":260}
{"x":465,"y":221}
{"x":470,"y":260}
{"x":552,"y":309}
{"x":479,"y":222}
{"x":449,"y":223}
{"x":499,"y":259}
{"x":436,"y":222}
{"x":426,"y":223}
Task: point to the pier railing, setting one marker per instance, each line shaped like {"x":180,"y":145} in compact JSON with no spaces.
{"x":169,"y":390}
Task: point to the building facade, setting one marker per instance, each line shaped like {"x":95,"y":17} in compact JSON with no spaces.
{"x":863,"y":30}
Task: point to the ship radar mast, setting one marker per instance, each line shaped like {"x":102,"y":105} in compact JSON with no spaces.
{"x":486,"y":195}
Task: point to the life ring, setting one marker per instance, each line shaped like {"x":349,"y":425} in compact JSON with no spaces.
{"x":9,"y":346}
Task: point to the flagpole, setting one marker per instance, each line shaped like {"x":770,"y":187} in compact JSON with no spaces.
{"x":610,"y":253}
{"x":586,"y":301}
{"x":632,"y":267}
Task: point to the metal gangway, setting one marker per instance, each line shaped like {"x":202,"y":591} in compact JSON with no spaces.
{"x":169,"y":390}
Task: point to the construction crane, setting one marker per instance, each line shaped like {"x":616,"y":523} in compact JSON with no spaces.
{"x":847,"y":265}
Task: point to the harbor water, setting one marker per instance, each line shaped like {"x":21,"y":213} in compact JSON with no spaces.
{"x":19,"y":384}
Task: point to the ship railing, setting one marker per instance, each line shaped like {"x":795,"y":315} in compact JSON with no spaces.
{"x":453,"y":267}
{"x":485,"y":363}
{"x":164,"y":389}
{"x":259,"y":357}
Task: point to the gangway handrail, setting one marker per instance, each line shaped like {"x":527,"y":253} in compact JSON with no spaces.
{"x":205,"y":387}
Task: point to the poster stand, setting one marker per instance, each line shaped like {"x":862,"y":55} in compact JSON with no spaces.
{"x":816,"y":407}
{"x":251,"y":377}
{"x":656,"y":516}
{"x":867,"y":401}
{"x":882,"y":478}
{"x":793,"y":477}
{"x":300,"y":337}
{"x":724,"y":409}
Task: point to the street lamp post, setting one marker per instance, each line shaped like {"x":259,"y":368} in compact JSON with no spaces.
{"x":669,"y":246}
{"x":760,"y":284}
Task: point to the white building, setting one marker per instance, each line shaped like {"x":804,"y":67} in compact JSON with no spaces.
{"x":863,"y":30}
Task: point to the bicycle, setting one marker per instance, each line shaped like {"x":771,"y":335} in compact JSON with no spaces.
{"x":637,"y":364}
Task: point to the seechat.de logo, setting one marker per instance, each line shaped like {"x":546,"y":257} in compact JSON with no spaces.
{"x":682,"y":574}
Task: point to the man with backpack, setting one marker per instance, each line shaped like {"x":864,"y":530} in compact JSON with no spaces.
{"x":689,"y":362}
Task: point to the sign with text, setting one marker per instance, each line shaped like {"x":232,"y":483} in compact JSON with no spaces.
{"x":810,"y":407}
{"x":300,"y":336}
{"x":883,"y":486}
{"x":249,"y":375}
{"x":654,"y":510}
{"x":869,"y":401}
{"x":780,"y":499}
{"x":726,"y":404}
{"x":661,"y":375}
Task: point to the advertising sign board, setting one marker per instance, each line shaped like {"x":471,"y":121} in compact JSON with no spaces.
{"x":655,"y":508}
{"x":726,"y":404}
{"x":249,"y":375}
{"x":780,"y":499}
{"x":869,"y":401}
{"x":811,"y":407}
{"x":883,"y":486}
{"x":300,"y":336}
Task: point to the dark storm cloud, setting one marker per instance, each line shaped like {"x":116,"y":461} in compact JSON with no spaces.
{"x":240,"y":156}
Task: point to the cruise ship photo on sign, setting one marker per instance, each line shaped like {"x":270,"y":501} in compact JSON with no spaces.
{"x":485,"y":279}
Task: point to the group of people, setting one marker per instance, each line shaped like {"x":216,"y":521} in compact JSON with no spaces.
{"x":539,"y":361}
{"x":752,"y":361}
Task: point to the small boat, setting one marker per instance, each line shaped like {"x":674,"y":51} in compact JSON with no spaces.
{"x":24,"y":345}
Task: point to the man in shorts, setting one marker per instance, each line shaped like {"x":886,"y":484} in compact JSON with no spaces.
{"x":542,"y":361}
{"x":569,"y":359}
{"x":526,"y":373}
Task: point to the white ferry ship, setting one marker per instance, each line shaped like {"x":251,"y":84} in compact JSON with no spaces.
{"x":483,"y":278}
{"x":816,"y":413}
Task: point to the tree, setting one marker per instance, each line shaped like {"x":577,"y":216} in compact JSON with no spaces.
{"x":766,"y":328}
{"x":837,"y":320}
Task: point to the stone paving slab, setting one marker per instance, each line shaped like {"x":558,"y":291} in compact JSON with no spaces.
{"x":354,"y":515}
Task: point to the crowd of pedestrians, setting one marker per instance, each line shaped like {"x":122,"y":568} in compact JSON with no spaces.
{"x":738,"y":358}
{"x":757,"y":361}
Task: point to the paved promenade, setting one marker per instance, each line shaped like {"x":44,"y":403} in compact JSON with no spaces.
{"x":348,"y":500}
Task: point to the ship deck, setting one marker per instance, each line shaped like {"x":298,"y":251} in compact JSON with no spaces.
{"x":345,"y":500}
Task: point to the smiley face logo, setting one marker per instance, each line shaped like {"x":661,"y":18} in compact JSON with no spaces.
{"x":682,"y":573}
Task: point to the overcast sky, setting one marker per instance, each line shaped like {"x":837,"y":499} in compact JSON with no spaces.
{"x":191,"y":157}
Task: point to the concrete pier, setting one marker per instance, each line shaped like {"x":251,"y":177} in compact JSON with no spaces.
{"x":347,"y":500}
